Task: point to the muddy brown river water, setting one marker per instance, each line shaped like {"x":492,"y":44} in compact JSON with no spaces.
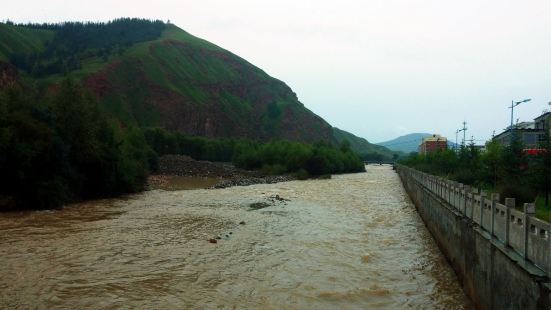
{"x":352,"y":242}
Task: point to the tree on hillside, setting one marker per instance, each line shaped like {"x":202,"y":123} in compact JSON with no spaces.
{"x":63,"y":148}
{"x":73,"y":41}
{"x":513,"y":161}
{"x":345,"y":146}
{"x":492,"y":161}
{"x":514,"y":172}
{"x":542,"y":166}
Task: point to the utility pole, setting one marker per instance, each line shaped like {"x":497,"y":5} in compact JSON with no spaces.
{"x":464,"y":131}
{"x":456,"y":134}
{"x":511,"y":128}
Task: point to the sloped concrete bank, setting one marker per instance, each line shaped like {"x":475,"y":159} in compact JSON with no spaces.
{"x":500,"y":255}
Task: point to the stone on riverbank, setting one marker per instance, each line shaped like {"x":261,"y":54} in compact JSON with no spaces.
{"x":185,"y":166}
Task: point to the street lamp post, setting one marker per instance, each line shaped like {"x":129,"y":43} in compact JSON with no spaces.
{"x":513,"y":105}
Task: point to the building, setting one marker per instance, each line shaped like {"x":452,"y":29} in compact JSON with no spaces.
{"x":531,"y":133}
{"x":530,"y":137}
{"x":432,"y":144}
{"x":542,"y":122}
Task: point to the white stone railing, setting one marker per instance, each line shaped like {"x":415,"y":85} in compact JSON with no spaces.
{"x":518,"y":230}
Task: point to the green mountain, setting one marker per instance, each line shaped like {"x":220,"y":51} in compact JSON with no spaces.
{"x":153,"y":74}
{"x":149,"y":73}
{"x":361,"y":146}
{"x":408,"y":143}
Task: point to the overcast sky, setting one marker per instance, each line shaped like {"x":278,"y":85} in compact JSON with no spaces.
{"x":378,"y":69}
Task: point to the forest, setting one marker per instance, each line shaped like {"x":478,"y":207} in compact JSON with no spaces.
{"x":62,"y":148}
{"x":73,"y":41}
{"x":274,"y":157}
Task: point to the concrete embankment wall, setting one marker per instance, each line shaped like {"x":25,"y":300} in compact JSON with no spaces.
{"x":500,"y":255}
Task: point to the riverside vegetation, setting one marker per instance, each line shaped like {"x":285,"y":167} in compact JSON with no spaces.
{"x":507,"y":170}
{"x":63,"y":147}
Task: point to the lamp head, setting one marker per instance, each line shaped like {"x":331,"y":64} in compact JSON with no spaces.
{"x":523,"y":101}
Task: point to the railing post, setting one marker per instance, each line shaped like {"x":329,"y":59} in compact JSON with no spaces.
{"x":453,"y":195}
{"x":468,"y":196}
{"x":495,"y":200}
{"x":444,"y":189}
{"x":483,"y":196}
{"x":450,"y":191}
{"x":462,"y":199}
{"x":549,"y":248}
{"x":510,"y":204}
{"x":475,"y":191}
{"x":456,"y":195}
{"x":529,"y":210}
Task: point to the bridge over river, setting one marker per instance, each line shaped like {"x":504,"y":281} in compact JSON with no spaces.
{"x":354,"y":241}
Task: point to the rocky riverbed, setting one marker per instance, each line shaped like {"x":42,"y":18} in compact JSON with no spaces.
{"x":183,"y":172}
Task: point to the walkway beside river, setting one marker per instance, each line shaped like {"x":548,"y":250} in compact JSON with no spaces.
{"x":354,"y":241}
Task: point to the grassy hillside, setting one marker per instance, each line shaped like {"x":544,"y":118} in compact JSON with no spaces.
{"x":21,"y":40}
{"x":361,"y":146}
{"x":171,"y":79}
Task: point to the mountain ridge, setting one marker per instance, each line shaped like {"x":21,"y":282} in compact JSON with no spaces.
{"x":165,"y":77}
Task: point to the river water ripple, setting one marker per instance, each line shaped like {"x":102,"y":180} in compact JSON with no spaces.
{"x":354,"y":241}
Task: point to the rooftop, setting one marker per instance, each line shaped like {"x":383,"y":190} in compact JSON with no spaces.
{"x":435,"y":138}
{"x":525,"y":126}
{"x":545,"y":114}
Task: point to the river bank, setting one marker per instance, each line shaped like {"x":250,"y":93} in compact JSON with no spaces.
{"x":178,"y":172}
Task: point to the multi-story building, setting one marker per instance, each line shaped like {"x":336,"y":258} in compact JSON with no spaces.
{"x":531,"y":133}
{"x":542,"y":122}
{"x":432,"y":144}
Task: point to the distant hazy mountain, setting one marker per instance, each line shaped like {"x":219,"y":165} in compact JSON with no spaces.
{"x":361,"y":145}
{"x":408,"y":143}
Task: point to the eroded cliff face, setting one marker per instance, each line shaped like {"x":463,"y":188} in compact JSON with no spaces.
{"x":204,"y":92}
{"x":8,"y":75}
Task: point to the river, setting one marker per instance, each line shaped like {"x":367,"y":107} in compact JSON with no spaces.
{"x":351,"y":242}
